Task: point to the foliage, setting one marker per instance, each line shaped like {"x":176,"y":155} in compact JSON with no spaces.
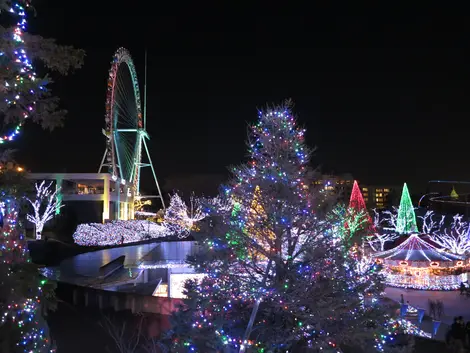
{"x":55,"y":58}
{"x":349,"y":225}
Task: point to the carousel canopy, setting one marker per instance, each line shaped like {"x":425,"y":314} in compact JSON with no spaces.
{"x":416,"y":249}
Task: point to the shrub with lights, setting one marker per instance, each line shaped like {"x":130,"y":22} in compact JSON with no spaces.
{"x":179,"y":220}
{"x":276,"y":279}
{"x":118,"y":232}
{"x":435,"y":258}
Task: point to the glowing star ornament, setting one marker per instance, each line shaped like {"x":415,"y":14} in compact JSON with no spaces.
{"x":406,"y":218}
{"x":41,"y":215}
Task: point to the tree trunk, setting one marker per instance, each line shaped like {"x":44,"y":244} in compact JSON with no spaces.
{"x":39,"y":232}
{"x":247,"y":334}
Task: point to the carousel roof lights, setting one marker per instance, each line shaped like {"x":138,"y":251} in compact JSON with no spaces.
{"x":416,"y":249}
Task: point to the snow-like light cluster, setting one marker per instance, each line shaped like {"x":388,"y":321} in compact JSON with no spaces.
{"x":118,"y":232}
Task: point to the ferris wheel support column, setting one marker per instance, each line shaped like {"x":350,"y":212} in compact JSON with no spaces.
{"x":154,"y":174}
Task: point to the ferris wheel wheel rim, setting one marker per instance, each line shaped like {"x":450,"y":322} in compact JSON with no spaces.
{"x":121,"y":56}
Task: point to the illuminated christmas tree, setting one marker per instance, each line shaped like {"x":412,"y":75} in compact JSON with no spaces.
{"x":270,"y":263}
{"x":406,"y":218}
{"x":356,"y":201}
{"x":22,"y":291}
{"x":24,"y":96}
{"x":358,"y":218}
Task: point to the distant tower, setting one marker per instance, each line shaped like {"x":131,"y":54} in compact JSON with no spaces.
{"x":454,"y":194}
{"x":406,"y":220}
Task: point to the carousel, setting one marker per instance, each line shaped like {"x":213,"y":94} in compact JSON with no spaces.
{"x":417,"y":263}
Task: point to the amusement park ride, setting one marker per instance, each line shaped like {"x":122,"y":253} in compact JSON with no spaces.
{"x":116,"y":186}
{"x":126,"y":126}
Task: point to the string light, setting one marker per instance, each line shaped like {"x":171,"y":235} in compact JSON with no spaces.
{"x":23,"y":313}
{"x":118,"y":232}
{"x":417,"y":264}
{"x":39,"y":219}
{"x":273,"y":215}
{"x":406,"y":220}
{"x":16,"y":97}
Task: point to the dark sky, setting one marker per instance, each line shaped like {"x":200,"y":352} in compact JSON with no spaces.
{"x":382,"y":91}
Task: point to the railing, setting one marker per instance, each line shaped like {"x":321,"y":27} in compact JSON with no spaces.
{"x":102,"y":299}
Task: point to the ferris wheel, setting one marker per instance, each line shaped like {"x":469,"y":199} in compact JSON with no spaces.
{"x":125,"y":129}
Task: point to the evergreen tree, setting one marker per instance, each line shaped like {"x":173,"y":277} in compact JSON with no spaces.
{"x":274,"y":280}
{"x":24,"y":95}
{"x":406,"y":218}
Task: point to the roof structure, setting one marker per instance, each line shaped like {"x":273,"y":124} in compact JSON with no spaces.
{"x":417,"y":249}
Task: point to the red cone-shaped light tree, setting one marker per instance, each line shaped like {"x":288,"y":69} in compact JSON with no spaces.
{"x":357,"y":210}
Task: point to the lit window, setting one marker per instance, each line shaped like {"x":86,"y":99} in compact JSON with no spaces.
{"x":386,"y":190}
{"x":365,"y":189}
{"x":379,"y":190}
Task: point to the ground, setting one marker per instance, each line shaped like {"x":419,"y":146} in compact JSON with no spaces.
{"x":454,"y":303}
{"x":70,"y":322}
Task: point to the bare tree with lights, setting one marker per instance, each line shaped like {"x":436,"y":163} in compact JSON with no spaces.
{"x":456,"y":238}
{"x":44,"y":206}
{"x":379,"y":237}
{"x":430,"y":224}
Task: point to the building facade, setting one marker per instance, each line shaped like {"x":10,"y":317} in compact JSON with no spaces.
{"x":340,"y":185}
{"x":380,"y":196}
{"x":92,"y":197}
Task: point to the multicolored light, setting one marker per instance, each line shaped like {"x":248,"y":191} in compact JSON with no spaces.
{"x":406,"y":220}
{"x":17,"y":97}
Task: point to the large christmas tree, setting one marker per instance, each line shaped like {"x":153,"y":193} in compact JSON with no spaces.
{"x":24,"y":96}
{"x":274,"y":280}
{"x":23,"y":293}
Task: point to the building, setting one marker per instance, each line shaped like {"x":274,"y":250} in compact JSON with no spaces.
{"x":92,"y":197}
{"x":340,"y":185}
{"x":380,"y":196}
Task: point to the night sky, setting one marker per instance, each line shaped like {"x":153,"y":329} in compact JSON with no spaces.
{"x":382,"y":91}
